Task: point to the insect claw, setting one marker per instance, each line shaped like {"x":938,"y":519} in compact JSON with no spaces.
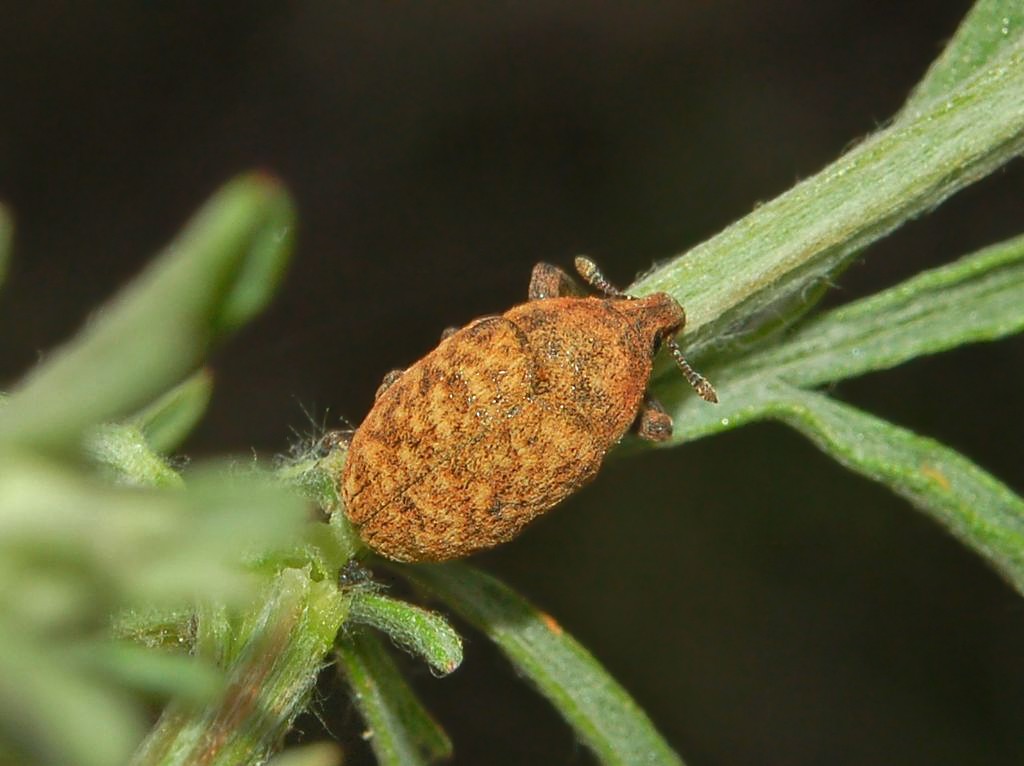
{"x":706,"y":391}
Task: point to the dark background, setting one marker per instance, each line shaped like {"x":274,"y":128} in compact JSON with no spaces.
{"x":763,"y":605}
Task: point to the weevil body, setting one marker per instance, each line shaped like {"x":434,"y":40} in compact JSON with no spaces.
{"x":507,"y":417}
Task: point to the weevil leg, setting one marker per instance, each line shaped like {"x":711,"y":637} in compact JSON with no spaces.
{"x":652,"y":422}
{"x":698,"y":382}
{"x":549,"y":281}
{"x":592,"y":276}
{"x":385,"y":384}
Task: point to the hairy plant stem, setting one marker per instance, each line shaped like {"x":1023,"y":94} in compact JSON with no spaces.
{"x":785,"y":247}
{"x":272,"y":662}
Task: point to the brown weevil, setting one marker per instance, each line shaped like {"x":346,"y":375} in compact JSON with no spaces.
{"x":508,"y":416}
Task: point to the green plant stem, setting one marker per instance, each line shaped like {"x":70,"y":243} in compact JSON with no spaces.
{"x":399,"y":728}
{"x":170,"y":419}
{"x":281,"y":648}
{"x":785,"y":247}
{"x":417,"y":630}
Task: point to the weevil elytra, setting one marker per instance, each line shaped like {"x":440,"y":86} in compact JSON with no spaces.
{"x":508,"y":416}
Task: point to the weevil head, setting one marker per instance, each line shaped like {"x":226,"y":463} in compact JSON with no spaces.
{"x":655,"y":317}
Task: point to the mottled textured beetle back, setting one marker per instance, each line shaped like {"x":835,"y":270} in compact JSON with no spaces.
{"x":502,"y":421}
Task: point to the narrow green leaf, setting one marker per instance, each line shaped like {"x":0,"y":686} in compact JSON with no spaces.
{"x":157,"y":672}
{"x":6,"y":236}
{"x":318,"y":754}
{"x":979,"y":297}
{"x":282,"y":646}
{"x":989,"y":28}
{"x":399,"y":729}
{"x":417,"y":630}
{"x":977,"y":508}
{"x":603,"y":714}
{"x":170,"y":419}
{"x":127,"y":457}
{"x":731,"y":283}
{"x":976,"y":298}
{"x":127,"y":450}
{"x":221,"y":269}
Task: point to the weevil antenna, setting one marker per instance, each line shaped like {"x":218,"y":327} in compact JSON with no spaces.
{"x":592,"y":276}
{"x":699,"y":383}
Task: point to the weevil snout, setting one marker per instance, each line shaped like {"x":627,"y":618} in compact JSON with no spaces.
{"x":656,"y":317}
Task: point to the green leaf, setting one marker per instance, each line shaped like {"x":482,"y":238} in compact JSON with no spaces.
{"x":6,"y":236}
{"x":978,"y":509}
{"x":160,"y":673}
{"x":217,"y":274}
{"x":734,"y":282}
{"x":990,"y":27}
{"x":128,"y":459}
{"x":980,"y":297}
{"x":604,"y":716}
{"x":126,"y":450}
{"x":273,"y":661}
{"x":400,"y":730}
{"x":419,"y":631}
{"x":170,"y":419}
